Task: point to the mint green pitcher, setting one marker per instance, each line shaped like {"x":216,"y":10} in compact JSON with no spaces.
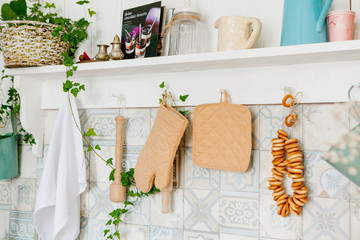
{"x":304,"y":21}
{"x":9,"y":165}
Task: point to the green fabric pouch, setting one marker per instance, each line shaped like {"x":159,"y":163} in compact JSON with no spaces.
{"x":345,"y":155}
{"x":9,"y":165}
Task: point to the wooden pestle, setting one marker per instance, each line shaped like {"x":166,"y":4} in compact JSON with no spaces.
{"x":117,"y":190}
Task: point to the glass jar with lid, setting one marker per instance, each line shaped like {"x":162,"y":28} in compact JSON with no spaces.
{"x":187,"y":33}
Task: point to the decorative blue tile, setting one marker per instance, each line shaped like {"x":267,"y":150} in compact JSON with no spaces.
{"x":271,"y":120}
{"x":239,"y":213}
{"x":130,"y":156}
{"x":201,"y":210}
{"x":23,"y":194}
{"x":255,"y":124}
{"x":199,"y":178}
{"x":96,"y":229}
{"x":193,"y":235}
{"x":326,"y":219}
{"x":5,"y":192}
{"x":322,"y":179}
{"x":21,"y":225}
{"x":355,"y":219}
{"x":247,"y":181}
{"x":161,"y":233}
{"x":4,"y":224}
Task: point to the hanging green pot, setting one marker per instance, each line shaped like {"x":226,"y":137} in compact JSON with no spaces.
{"x":9,"y":164}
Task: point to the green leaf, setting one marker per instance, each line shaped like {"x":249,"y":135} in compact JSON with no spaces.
{"x":111,"y":176}
{"x":19,"y":7}
{"x":69,"y":73}
{"x":98,"y":147}
{"x":48,"y":5}
{"x":183,"y":112}
{"x":67,"y":85}
{"x":162,"y":85}
{"x":7,"y":13}
{"x":91,"y":132}
{"x":109,"y":161}
{"x":90,"y":148}
{"x":108,"y":223}
{"x":160,"y":100}
{"x":106,"y":231}
{"x":82,"y":2}
{"x":91,"y":13}
{"x":82,"y":87}
{"x":74,"y":92}
{"x":183,"y":97}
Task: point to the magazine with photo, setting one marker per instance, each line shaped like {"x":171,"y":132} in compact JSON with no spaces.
{"x":140,"y":30}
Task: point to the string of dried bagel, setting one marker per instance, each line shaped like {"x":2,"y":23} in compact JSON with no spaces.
{"x":288,"y":159}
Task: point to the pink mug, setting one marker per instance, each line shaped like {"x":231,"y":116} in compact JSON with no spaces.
{"x":340,"y":25}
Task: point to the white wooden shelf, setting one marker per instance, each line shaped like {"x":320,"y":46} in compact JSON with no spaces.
{"x":323,"y":72}
{"x":276,"y":56}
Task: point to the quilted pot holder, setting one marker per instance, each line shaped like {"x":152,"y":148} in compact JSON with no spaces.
{"x":157,"y":157}
{"x":222,"y":136}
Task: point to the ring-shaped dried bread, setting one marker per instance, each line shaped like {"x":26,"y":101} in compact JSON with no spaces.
{"x":290,"y":120}
{"x":285,"y":102}
{"x":292,"y":164}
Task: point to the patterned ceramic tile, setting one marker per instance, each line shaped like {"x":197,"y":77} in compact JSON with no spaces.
{"x":199,"y":178}
{"x":4,"y":224}
{"x":323,"y":180}
{"x":95,"y":229}
{"x":21,"y":226}
{"x":355,"y":191}
{"x":137,"y":126}
{"x":23,"y":193}
{"x":191,"y":235}
{"x":355,"y":219}
{"x":100,"y":206}
{"x":139,"y":213}
{"x":83,"y":229}
{"x":50,"y":119}
{"x":225,"y":236}
{"x":5,"y":192}
{"x":320,"y":135}
{"x":271,"y":121}
{"x":255,"y":122}
{"x":247,"y":181}
{"x":130,"y":156}
{"x":99,"y":202}
{"x":131,"y":232}
{"x":99,"y":172}
{"x":161,"y":233}
{"x":275,"y":226}
{"x":326,"y":219}
{"x":239,"y":213}
{"x":27,"y":162}
{"x":175,"y":217}
{"x":201,"y":210}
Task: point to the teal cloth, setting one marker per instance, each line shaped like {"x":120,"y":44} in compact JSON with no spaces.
{"x":345,"y":155}
{"x":9,"y":165}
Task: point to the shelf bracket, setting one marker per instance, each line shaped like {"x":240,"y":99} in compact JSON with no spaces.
{"x":31,"y":112}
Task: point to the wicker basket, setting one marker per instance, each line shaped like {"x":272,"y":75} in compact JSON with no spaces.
{"x":29,"y":44}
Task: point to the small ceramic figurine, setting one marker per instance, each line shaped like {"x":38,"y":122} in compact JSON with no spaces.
{"x":102,"y":55}
{"x":116,"y":53}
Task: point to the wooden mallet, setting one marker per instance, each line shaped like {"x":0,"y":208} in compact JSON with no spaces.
{"x":117,"y":190}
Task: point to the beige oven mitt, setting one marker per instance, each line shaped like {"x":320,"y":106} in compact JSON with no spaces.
{"x":222,"y":136}
{"x":157,"y":157}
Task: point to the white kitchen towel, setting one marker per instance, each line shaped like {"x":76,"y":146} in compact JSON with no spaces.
{"x":57,"y":209}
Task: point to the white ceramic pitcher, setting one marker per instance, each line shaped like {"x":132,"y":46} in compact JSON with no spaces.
{"x":237,"y":32}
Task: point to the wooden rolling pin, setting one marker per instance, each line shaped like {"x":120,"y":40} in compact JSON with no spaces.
{"x":117,"y":190}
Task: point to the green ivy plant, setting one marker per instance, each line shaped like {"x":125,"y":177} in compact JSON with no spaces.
{"x":11,"y":108}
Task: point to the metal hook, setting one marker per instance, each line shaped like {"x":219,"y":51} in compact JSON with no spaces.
{"x":121,"y":102}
